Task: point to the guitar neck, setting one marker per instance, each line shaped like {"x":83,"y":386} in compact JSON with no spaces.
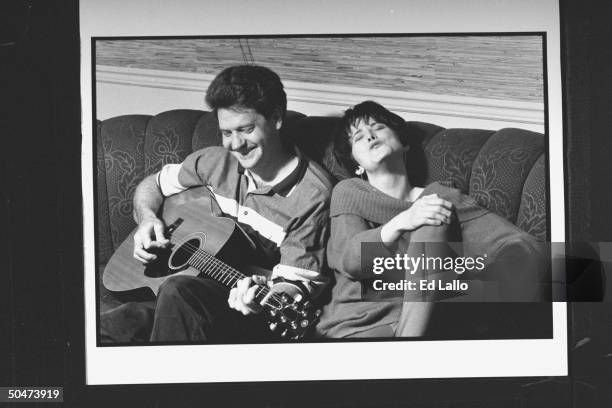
{"x":220,"y":271}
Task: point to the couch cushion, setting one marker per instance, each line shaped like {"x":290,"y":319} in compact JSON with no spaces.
{"x":423,"y":131}
{"x":104,"y":242}
{"x":501,"y":168}
{"x":169,"y":138}
{"x":206,"y":133}
{"x":314,"y":135}
{"x":451,"y":154}
{"x":131,"y":147}
{"x":532,"y":212}
{"x":122,"y":145}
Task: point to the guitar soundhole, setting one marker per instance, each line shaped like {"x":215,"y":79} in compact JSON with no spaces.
{"x":181,"y":255}
{"x":159,"y":268}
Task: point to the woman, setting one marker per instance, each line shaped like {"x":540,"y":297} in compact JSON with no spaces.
{"x":387,"y":208}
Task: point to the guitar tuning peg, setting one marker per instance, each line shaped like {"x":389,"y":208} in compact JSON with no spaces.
{"x":304,"y":323}
{"x":304,"y":313}
{"x":294,"y":325}
{"x":296,"y":337}
{"x":284,"y":319}
{"x":284,"y":333}
{"x":273,"y":312}
{"x":273,"y":326}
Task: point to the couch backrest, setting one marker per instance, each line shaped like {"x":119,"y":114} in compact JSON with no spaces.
{"x":504,"y":170}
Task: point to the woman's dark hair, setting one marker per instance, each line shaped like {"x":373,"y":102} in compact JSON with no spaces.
{"x":414,"y":158}
{"x":249,"y":86}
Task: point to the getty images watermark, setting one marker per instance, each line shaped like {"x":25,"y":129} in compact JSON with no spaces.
{"x":487,"y":272}
{"x":432,"y":265}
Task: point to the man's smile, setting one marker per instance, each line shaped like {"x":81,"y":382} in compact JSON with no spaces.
{"x":245,"y":150}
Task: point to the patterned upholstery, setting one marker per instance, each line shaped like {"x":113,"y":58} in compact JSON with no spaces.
{"x":169,"y":138}
{"x":451,"y":154}
{"x":104,"y":242}
{"x":501,"y":168}
{"x":504,"y":171}
{"x":123,"y":150}
{"x":532,"y":212}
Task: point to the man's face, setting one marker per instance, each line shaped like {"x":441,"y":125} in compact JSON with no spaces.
{"x":251,"y":138}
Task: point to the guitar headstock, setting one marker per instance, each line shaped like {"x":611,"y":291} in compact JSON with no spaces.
{"x":292,"y":316}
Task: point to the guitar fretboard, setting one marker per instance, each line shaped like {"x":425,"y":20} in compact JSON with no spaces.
{"x":220,"y":271}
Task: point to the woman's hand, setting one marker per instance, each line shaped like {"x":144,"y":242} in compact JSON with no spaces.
{"x":427,"y":210}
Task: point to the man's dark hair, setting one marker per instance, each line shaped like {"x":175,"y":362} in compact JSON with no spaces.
{"x":415,"y":157}
{"x":249,"y":86}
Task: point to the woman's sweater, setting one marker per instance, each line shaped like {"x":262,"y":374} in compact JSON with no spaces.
{"x":358,"y":212}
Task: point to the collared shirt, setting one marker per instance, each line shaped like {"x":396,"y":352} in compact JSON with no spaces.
{"x":289,"y":222}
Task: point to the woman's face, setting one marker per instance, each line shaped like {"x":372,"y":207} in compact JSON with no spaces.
{"x":372,"y":143}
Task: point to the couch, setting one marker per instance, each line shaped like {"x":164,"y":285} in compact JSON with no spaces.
{"x":505,"y":170}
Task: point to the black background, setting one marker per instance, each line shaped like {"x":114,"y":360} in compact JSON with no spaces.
{"x":41,"y":279}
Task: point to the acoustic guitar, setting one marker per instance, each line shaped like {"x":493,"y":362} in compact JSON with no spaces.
{"x":210,"y":247}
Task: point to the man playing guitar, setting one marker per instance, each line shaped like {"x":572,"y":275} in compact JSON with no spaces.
{"x":279,"y":198}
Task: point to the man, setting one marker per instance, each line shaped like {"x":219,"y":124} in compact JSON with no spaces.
{"x":280,"y":198}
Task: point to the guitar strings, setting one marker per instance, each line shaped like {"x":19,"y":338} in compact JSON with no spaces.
{"x":203,"y":258}
{"x":206,"y":258}
{"x":223,"y":268}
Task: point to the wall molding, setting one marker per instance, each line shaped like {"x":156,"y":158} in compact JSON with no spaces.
{"x":530,"y":114}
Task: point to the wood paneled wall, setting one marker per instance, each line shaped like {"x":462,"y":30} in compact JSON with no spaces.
{"x":499,"y":67}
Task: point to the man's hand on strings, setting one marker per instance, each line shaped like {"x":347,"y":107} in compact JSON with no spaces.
{"x":242,"y":296}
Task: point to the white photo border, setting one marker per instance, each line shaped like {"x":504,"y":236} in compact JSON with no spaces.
{"x":343,"y":360}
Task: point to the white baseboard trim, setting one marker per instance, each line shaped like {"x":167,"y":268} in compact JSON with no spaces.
{"x":338,"y":98}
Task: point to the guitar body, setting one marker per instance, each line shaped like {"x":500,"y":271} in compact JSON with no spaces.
{"x":185,"y":214}
{"x":214,"y":247}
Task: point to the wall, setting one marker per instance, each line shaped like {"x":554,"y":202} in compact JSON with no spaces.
{"x":454,"y":81}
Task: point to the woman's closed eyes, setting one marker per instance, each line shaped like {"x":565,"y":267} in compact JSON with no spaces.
{"x":374,"y":127}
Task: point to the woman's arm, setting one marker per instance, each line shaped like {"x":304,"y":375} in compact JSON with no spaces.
{"x":348,"y":232}
{"x":428,"y":210}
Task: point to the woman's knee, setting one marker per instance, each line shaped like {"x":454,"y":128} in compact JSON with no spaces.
{"x":431,"y":233}
{"x":437,"y":233}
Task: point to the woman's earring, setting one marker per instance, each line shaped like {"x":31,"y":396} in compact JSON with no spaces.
{"x":360,"y":170}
